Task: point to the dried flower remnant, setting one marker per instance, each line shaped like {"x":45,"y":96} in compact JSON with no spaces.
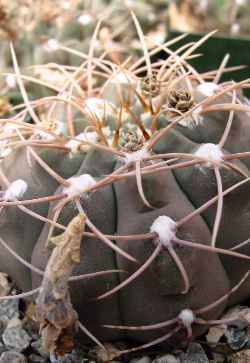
{"x":55,"y":312}
{"x":151,"y":85}
{"x":180,"y":101}
{"x":130,"y":138}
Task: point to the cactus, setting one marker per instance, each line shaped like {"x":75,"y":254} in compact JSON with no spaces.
{"x":139,"y":186}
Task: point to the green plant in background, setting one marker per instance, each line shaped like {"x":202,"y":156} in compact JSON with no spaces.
{"x":229,"y":16}
{"x":118,"y":200}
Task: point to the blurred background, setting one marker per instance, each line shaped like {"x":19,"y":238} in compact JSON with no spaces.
{"x":231,"y":18}
{"x":37,"y":27}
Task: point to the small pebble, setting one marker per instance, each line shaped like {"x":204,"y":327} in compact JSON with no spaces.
{"x":194,"y":354}
{"x":32,"y":329}
{"x":240,"y":357}
{"x":144,"y":359}
{"x":2,"y":327}
{"x":166,"y":358}
{"x":9,"y":309}
{"x":76,"y":356}
{"x":2,"y":348}
{"x":236,"y":335}
{"x":12,"y":357}
{"x":218,"y":358}
{"x":5,"y":285}
{"x":16,"y":338}
{"x":34,"y":358}
{"x":38,"y":348}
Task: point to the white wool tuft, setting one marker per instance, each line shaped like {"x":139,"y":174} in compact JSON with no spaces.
{"x":187,"y":317}
{"x":123,"y":77}
{"x":193,"y":120}
{"x":45,"y":135}
{"x":89,"y":136}
{"x":51,"y":45}
{"x":51,"y":76}
{"x":208,"y":88}
{"x":9,"y":128}
{"x":16,"y":190}
{"x":129,"y":3}
{"x":158,"y":38}
{"x":74,"y":145}
{"x":235,"y":28}
{"x":203,"y":5}
{"x":4,"y":152}
{"x":145,"y":116}
{"x":66,"y":5}
{"x":137,"y":155}
{"x":99,"y":108}
{"x":196,"y":114}
{"x":85,"y":19}
{"x":58,"y":130}
{"x":11,"y":80}
{"x":165,"y":228}
{"x":210,"y":152}
{"x":79,"y":184}
{"x":241,"y":2}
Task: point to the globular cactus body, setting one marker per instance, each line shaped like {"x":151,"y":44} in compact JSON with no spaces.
{"x":158,"y":182}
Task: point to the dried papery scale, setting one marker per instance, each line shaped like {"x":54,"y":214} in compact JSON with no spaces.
{"x":150,"y":85}
{"x":157,"y":192}
{"x":180,"y":100}
{"x":130,"y":138}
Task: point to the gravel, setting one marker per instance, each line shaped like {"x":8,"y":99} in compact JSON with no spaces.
{"x":17,"y":338}
{"x":194,"y":354}
{"x":12,"y":357}
{"x":9,"y":309}
{"x":167,"y":358}
{"x":20,"y":343}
